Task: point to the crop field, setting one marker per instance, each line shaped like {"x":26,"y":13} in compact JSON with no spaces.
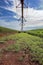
{"x":22,"y":48}
{"x":38,"y":32}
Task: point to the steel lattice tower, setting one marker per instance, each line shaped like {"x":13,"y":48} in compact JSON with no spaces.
{"x":22,"y":16}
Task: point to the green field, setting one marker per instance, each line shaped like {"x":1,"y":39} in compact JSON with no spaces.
{"x":38,"y":32}
{"x":33,"y":40}
{"x":6,"y":30}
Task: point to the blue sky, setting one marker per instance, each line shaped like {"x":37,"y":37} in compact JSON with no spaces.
{"x":33,"y":3}
{"x":9,"y":16}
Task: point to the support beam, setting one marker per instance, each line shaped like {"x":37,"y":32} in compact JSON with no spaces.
{"x":22,"y":2}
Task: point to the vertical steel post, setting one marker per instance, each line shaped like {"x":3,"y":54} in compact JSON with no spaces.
{"x":22,"y":2}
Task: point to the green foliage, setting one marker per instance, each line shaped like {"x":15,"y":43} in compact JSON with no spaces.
{"x":2,"y":42}
{"x":13,"y":47}
{"x":38,"y":32}
{"x":24,"y":40}
{"x":6,"y":30}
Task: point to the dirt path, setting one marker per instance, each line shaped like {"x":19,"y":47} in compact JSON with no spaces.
{"x":12,"y":58}
{"x":7,"y":43}
{"x":6,"y":34}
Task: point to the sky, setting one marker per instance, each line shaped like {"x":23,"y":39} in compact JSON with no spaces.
{"x":10,"y":16}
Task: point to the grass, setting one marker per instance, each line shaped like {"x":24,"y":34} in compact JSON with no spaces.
{"x":24,"y":40}
{"x":6,"y":30}
{"x":38,"y":32}
{"x":33,"y":41}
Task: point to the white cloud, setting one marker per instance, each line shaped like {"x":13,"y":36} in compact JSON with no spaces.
{"x":6,"y":2}
{"x":32,"y":24}
{"x":29,"y":13}
{"x":34,"y":17}
{"x":12,"y":25}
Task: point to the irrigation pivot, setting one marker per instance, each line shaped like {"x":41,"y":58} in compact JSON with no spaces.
{"x":22,"y":16}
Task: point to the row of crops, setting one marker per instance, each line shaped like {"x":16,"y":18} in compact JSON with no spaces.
{"x":24,"y":40}
{"x":38,"y":32}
